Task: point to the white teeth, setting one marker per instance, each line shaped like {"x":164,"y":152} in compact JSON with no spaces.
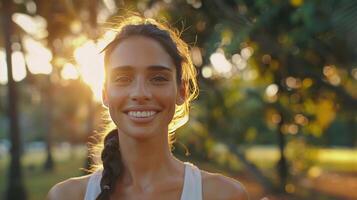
{"x":141,"y":113}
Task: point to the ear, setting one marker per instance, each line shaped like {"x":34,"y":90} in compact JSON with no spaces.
{"x":181,"y":94}
{"x":105,"y":100}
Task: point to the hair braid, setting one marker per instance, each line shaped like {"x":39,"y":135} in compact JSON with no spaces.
{"x":112,"y":165}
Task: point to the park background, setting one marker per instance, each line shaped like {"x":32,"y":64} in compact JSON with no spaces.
{"x":277,"y":103}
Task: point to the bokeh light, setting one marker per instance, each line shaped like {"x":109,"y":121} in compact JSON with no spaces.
{"x":207,"y":72}
{"x":247,"y":52}
{"x":3,"y":67}
{"x":18,"y":66}
{"x":38,"y":57}
{"x":196,"y":56}
{"x":69,"y":71}
{"x":272,"y":90}
{"x":239,"y":62}
{"x":220,"y":62}
{"x":331,"y":73}
{"x":35,"y":26}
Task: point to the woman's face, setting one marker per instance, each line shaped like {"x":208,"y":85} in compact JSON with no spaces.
{"x":141,"y":90}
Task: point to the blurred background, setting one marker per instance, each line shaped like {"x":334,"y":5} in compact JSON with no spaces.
{"x":276,"y":110}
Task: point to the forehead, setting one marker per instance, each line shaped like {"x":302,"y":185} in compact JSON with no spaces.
{"x":139,"y":52}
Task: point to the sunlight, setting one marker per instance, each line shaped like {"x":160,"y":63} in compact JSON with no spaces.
{"x":271,"y":93}
{"x":196,"y":56}
{"x":238,"y":61}
{"x":18,"y":66}
{"x":91,"y":67}
{"x":301,"y":119}
{"x":337,"y":155}
{"x":106,"y":39}
{"x":292,"y":82}
{"x":3,"y":68}
{"x":220,"y":63}
{"x":247,"y":52}
{"x":110,"y":5}
{"x":31,"y":7}
{"x":35,"y":26}
{"x":250,"y":74}
{"x":314,"y":172}
{"x":271,"y":90}
{"x":69,"y":71}
{"x":207,"y":72}
{"x":331,"y":73}
{"x":38,"y":57}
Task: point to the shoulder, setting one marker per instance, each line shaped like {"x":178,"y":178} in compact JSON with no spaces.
{"x":218,"y":186}
{"x":73,"y":188}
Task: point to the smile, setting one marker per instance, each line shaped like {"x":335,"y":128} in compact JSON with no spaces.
{"x":141,"y":114}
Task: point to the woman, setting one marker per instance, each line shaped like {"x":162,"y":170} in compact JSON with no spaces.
{"x":149,"y":84}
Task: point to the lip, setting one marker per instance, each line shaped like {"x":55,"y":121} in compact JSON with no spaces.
{"x":141,"y":108}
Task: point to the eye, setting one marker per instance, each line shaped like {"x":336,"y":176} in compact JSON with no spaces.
{"x":159,"y":79}
{"x":122,"y":79}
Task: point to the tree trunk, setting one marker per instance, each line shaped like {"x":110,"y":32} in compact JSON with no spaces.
{"x":352,"y":121}
{"x":49,"y":163}
{"x":282,"y":164}
{"x":16,"y":189}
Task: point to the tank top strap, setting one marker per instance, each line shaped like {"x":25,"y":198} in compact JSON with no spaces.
{"x":93,"y":186}
{"x":192,"y":188}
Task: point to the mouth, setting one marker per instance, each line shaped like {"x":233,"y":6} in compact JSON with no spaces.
{"x":141,"y":114}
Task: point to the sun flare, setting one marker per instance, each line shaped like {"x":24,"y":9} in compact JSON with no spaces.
{"x":91,"y":67}
{"x":91,"y":63}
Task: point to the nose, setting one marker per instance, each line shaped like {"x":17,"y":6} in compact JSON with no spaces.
{"x":140,"y":91}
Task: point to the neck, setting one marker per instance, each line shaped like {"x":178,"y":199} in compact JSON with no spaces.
{"x":145,"y":161}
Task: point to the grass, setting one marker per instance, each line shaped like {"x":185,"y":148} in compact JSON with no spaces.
{"x":332,"y":159}
{"x":37,"y":181}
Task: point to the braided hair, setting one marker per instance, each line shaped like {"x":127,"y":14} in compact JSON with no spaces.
{"x":112,"y":165}
{"x":186,"y":75}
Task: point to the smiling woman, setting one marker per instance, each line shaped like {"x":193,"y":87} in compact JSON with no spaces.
{"x":150,"y":82}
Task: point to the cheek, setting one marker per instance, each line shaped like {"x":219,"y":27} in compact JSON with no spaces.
{"x":167,"y":96}
{"x":113,"y":93}
{"x":115,"y":97}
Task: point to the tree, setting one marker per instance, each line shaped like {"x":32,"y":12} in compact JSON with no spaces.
{"x":16,"y":189}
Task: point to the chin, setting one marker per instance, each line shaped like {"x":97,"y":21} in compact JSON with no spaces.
{"x":140,"y":134}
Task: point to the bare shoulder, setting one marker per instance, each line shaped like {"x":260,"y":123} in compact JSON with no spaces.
{"x":218,"y":186}
{"x":72,"y":188}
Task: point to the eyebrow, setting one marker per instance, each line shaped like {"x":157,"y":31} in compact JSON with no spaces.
{"x":127,"y":68}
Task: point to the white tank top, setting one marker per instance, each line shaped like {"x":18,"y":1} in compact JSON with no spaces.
{"x":192,"y":186}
